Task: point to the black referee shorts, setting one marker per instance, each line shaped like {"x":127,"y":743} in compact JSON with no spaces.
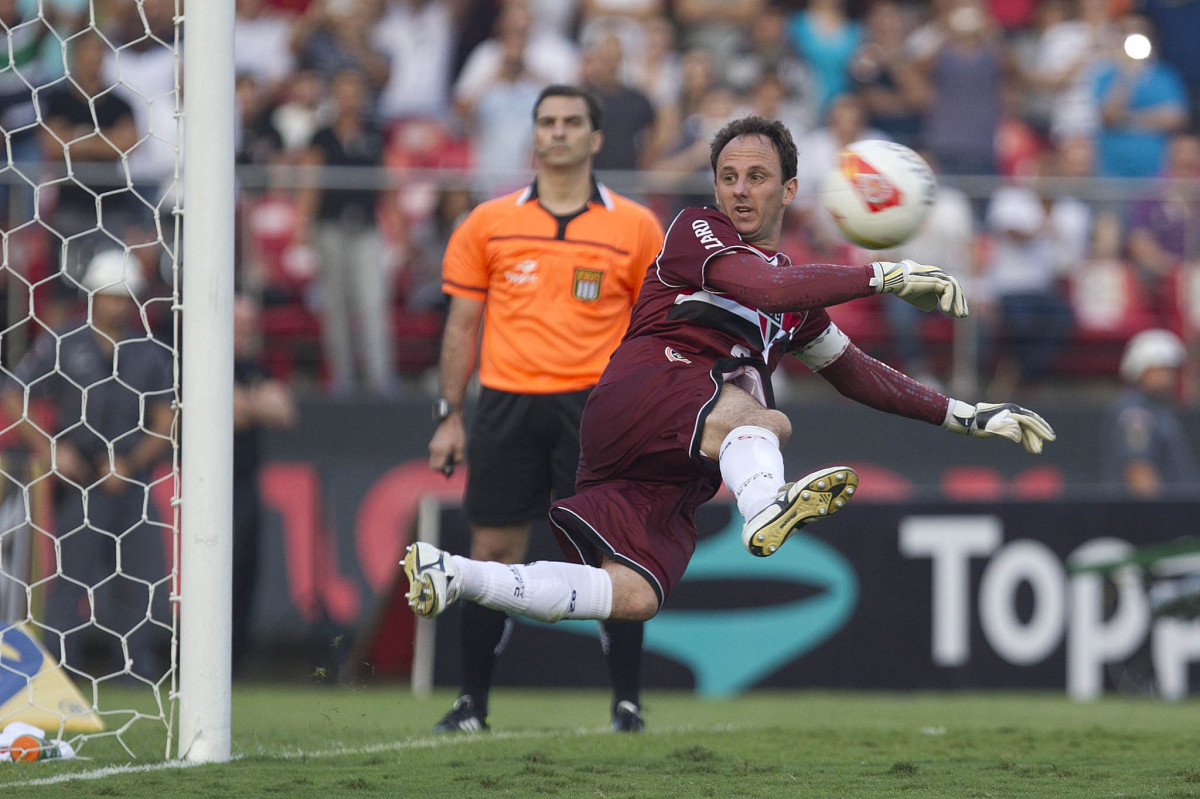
{"x":522,"y":452}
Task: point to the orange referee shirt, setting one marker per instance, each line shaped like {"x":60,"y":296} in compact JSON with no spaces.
{"x":558,"y":290}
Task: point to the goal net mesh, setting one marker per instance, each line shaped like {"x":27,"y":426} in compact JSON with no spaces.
{"x":90,"y":109}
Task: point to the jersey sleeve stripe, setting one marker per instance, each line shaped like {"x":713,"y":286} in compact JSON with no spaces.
{"x":450,"y":287}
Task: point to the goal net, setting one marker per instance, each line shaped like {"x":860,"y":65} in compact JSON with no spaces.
{"x":91,"y":198}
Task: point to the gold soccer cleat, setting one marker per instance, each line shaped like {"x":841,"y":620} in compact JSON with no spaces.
{"x":820,"y":494}
{"x":434,"y":581}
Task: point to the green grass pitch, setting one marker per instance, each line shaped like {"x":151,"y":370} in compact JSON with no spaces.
{"x":322,"y":742}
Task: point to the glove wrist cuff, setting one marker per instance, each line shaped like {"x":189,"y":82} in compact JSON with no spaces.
{"x":959,"y":417}
{"x":876,"y":281}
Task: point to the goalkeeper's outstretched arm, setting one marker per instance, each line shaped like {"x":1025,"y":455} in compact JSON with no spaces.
{"x":867,"y":380}
{"x":800,"y":287}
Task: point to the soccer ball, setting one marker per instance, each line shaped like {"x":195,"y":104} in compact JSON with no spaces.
{"x":879,"y":193}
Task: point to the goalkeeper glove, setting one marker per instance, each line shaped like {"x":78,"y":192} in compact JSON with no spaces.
{"x":923,"y":286}
{"x":1006,"y":419}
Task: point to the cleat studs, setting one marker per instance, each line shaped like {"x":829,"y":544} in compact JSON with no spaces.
{"x":849,"y":490}
{"x":820,"y":485}
{"x":772,"y":548}
{"x":840,"y":476}
{"x":838,"y":503}
{"x":821,"y":511}
{"x":760,"y":538}
{"x":805,"y":496}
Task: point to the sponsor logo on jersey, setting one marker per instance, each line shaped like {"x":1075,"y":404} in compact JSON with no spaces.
{"x":705,"y":234}
{"x":587,"y":284}
{"x":673,"y":355}
{"x":523,"y":273}
{"x":876,"y":191}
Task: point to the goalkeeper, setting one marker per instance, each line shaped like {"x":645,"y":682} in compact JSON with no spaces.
{"x":686,"y":402}
{"x":549,"y":274}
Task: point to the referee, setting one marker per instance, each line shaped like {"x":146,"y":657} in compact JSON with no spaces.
{"x":551,"y":273}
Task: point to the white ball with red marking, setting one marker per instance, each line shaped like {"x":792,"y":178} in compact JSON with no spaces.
{"x":879,"y":193}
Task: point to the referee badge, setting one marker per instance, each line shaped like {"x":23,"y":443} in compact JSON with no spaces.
{"x":587,"y":284}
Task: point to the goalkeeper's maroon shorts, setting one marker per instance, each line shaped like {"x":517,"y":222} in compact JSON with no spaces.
{"x":641,"y":474}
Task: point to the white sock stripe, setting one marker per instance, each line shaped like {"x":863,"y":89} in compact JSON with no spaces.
{"x":745,"y":432}
{"x":545,"y":590}
{"x":756,"y":476}
{"x":752,"y":467}
{"x":518,"y":589}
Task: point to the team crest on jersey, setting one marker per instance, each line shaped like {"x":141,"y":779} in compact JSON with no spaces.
{"x":587,"y":284}
{"x":673,"y":355}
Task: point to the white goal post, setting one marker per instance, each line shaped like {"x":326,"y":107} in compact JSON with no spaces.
{"x":123,"y":429}
{"x":206,"y":528}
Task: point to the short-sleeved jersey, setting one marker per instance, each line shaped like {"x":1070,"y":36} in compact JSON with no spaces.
{"x":676,"y":304}
{"x":105,"y":392}
{"x":558,"y":289}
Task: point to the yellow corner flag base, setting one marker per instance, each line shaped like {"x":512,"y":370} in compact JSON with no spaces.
{"x":33,"y":688}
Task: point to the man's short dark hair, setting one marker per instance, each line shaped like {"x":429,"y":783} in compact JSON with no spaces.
{"x":595,"y":112}
{"x":773,"y":129}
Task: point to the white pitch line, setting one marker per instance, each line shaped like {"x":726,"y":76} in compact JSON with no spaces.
{"x":100,"y":773}
{"x":340,"y":752}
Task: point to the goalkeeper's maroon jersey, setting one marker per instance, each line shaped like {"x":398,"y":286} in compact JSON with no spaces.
{"x":677,"y":306}
{"x":642,"y":473}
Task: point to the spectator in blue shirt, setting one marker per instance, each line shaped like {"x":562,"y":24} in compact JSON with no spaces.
{"x":1142,"y":101}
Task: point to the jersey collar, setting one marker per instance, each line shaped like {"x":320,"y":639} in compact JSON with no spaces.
{"x":600,"y":194}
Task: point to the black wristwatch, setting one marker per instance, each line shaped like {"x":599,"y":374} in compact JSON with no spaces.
{"x":442,"y":409}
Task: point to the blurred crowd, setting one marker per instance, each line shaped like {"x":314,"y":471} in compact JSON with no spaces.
{"x":1065,"y":133}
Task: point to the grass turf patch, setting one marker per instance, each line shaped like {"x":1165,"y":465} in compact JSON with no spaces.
{"x":366,"y":742}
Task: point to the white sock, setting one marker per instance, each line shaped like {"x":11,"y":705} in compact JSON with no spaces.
{"x":547,"y":590}
{"x":752,"y":467}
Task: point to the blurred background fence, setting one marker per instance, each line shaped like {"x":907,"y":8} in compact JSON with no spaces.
{"x":1086,"y":245}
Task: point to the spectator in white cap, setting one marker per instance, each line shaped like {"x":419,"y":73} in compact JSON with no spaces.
{"x":1149,"y":451}
{"x":114,"y":271}
{"x":110,"y":387}
{"x":112,"y":282}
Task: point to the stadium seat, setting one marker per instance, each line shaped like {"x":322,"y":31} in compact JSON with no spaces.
{"x":1038,"y":483}
{"x":1183,"y":290}
{"x":418,"y":340}
{"x":972,"y":484}
{"x":292,"y":333}
{"x":1109,"y":305}
{"x":291,"y":338}
{"x":286,"y":270}
{"x":881,"y":484}
{"x":1107,"y":298}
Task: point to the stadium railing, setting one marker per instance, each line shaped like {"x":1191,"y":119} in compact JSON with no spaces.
{"x":1108,"y":302}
